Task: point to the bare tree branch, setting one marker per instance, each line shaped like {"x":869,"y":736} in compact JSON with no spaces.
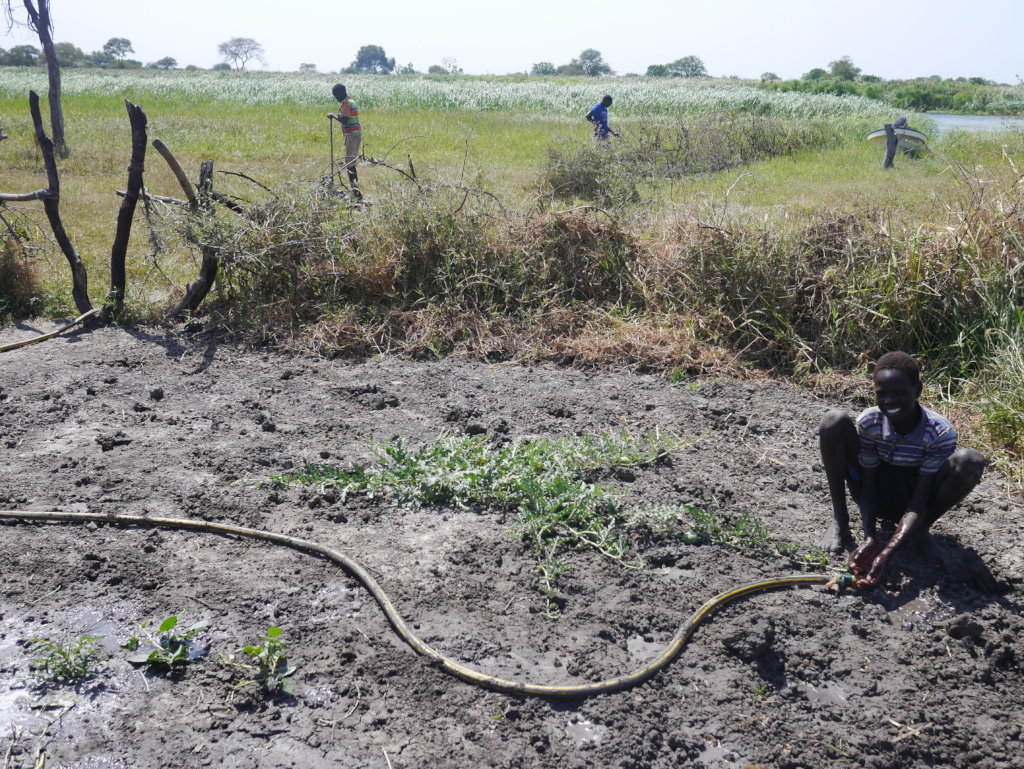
{"x":14,"y":197}
{"x":51,"y":204}
{"x":179,"y":173}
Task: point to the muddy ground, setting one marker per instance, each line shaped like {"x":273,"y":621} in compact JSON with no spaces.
{"x":926,"y":673}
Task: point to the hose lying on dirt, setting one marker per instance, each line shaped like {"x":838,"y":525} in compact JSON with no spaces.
{"x":52,"y":334}
{"x":460,"y":671}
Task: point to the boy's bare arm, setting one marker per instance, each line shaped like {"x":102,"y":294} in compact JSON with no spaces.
{"x":909,"y":523}
{"x":869,"y":501}
{"x":862,"y":558}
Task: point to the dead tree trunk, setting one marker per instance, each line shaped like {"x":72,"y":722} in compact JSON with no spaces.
{"x":41,"y":22}
{"x":200,"y":287}
{"x":51,"y":204}
{"x":891,"y":142}
{"x":119,"y":249}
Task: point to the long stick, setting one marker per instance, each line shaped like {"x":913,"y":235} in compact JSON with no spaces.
{"x":330,"y":122}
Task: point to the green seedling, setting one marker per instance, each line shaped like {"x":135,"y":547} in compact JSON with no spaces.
{"x":267,"y":665}
{"x":64,"y":663}
{"x":760,"y":692}
{"x":166,"y":648}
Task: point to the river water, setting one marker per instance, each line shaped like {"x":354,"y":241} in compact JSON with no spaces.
{"x":945,"y":122}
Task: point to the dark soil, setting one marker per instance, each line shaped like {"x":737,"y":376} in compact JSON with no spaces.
{"x":925,"y":673}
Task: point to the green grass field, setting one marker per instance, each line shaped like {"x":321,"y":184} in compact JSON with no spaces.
{"x":803,"y":256}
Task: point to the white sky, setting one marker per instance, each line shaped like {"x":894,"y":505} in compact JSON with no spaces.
{"x":903,"y":39}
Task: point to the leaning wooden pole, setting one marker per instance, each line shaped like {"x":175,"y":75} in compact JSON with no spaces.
{"x":51,"y":204}
{"x":200,"y":287}
{"x":179,"y":173}
{"x":119,"y":250}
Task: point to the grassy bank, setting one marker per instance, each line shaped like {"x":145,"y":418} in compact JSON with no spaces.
{"x":717,"y":230}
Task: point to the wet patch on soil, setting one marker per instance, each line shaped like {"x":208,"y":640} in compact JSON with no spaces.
{"x":924,"y":673}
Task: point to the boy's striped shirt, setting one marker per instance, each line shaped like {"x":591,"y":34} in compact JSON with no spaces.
{"x":927,"y":446}
{"x":350,"y":118}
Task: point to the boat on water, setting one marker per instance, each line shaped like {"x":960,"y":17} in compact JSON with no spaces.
{"x":907,"y":139}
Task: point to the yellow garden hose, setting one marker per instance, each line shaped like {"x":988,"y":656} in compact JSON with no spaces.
{"x":670,"y":652}
{"x":52,"y":334}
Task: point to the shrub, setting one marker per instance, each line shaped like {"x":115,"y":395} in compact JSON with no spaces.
{"x":20,"y":289}
{"x":609,"y":172}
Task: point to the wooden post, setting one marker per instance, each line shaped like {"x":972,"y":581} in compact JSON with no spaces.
{"x":119,"y":249}
{"x":891,"y":142}
{"x":51,"y":204}
{"x":200,"y":287}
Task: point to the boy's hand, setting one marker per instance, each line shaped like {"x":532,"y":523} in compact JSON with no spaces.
{"x":862,"y":559}
{"x":874,"y":575}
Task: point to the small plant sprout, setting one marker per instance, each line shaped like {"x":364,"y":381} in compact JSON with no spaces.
{"x":267,"y":665}
{"x":166,"y":647}
{"x":64,"y":663}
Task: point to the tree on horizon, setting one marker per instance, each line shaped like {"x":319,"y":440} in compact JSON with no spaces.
{"x":118,"y":47}
{"x":240,"y":51}
{"x":372,"y":60}
{"x":843,"y":69}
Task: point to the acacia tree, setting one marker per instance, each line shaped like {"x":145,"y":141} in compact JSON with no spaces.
{"x":844,"y":69}
{"x":22,"y":56}
{"x":118,"y":47}
{"x":40,"y":22}
{"x":69,"y":55}
{"x":372,"y":60}
{"x":240,"y":50}
{"x":688,"y":66}
{"x":592,"y":63}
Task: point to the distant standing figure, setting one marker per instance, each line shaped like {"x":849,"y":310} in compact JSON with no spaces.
{"x":348,"y":116}
{"x":598,"y":115}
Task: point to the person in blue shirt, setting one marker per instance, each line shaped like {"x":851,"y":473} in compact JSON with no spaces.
{"x":598,"y":115}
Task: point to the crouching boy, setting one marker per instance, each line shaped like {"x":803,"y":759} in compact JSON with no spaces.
{"x":900,"y":462}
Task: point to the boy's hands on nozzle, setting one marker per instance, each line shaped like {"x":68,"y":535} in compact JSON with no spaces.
{"x":862,"y":557}
{"x":868,"y":566}
{"x":874,"y":575}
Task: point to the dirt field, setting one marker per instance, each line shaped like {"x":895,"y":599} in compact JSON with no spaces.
{"x":923,"y":674}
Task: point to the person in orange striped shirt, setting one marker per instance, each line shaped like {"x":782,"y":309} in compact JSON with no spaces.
{"x":348,"y":116}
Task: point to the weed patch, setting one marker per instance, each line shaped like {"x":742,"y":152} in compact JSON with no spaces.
{"x":64,"y":662}
{"x":744,"y":533}
{"x":547,"y":483}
